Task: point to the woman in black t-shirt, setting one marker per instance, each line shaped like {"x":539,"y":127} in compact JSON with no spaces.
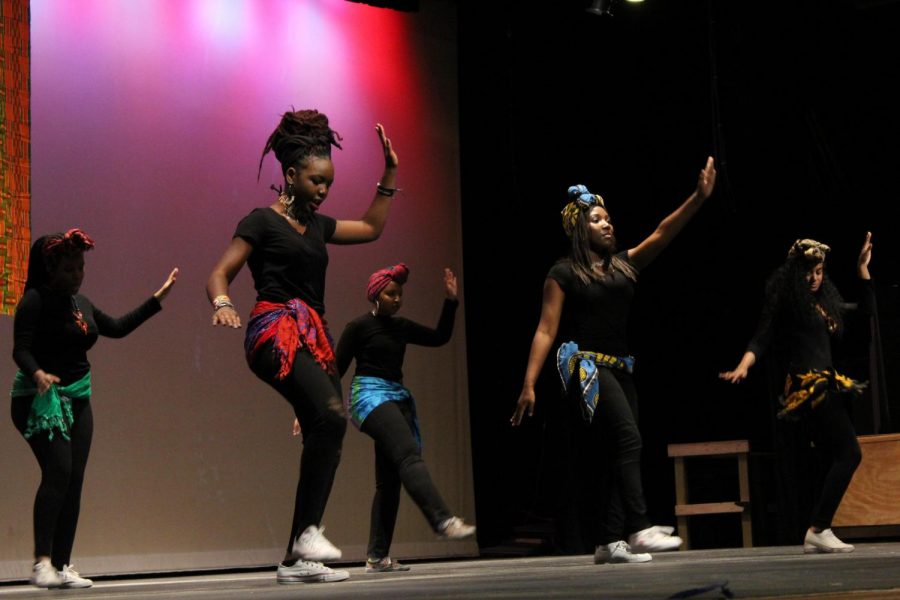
{"x":804,"y":311}
{"x":586,"y":299}
{"x":54,"y":328}
{"x":287,"y":343}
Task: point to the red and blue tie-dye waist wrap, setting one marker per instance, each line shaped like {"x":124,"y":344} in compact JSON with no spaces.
{"x":289,"y":326}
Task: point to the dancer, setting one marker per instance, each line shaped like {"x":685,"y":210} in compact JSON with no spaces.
{"x":54,"y":328}
{"x":382,"y":408}
{"x":587,"y":297}
{"x":287,"y":343}
{"x":804,"y":310}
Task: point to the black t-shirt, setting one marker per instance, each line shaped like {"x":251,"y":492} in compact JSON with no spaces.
{"x":595,"y":316}
{"x":285,"y":263}
{"x":47,"y":337}
{"x":807,"y":344}
{"x":379,"y":343}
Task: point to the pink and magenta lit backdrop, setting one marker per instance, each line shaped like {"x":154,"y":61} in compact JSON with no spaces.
{"x":148,"y":119}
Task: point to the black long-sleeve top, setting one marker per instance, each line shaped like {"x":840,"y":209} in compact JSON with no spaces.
{"x":808,"y":345}
{"x":47,"y":337}
{"x":378,"y":343}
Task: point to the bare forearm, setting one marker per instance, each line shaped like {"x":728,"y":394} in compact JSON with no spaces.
{"x":540,"y":348}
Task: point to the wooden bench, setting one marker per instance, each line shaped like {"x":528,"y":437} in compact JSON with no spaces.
{"x":734,"y":448}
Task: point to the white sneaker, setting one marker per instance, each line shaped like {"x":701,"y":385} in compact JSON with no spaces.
{"x":307,"y":571}
{"x":454,"y":529}
{"x":313,"y":545}
{"x":43,"y":575}
{"x":69,"y":578}
{"x":824,"y":541}
{"x":618,"y":552}
{"x":654,"y":539}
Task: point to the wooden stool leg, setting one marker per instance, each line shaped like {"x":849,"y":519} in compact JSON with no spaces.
{"x":746,"y":517}
{"x":681,"y":497}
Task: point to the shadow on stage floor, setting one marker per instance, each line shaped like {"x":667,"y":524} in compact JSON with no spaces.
{"x":872,"y":571}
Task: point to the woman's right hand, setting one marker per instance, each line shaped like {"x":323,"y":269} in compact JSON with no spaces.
{"x":226,"y":316}
{"x":525,"y":406}
{"x":736,"y":376}
{"x":44,"y":380}
{"x":390,"y":157}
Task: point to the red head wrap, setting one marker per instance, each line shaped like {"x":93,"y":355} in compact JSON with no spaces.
{"x":380,"y":279}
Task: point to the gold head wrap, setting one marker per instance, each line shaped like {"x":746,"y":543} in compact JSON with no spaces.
{"x":809,"y":249}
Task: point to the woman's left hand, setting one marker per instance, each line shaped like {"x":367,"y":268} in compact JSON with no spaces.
{"x":707,"y":179}
{"x":865,"y":255}
{"x":450,"y":284}
{"x":390,"y":157}
{"x":162,"y":292}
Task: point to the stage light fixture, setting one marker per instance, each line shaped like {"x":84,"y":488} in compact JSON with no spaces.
{"x":601,"y":8}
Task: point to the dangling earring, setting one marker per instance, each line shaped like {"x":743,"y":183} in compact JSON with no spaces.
{"x":375,"y":310}
{"x":286,"y":199}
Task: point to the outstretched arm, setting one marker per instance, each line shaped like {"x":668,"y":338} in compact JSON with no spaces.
{"x":644,"y":253}
{"x":551,"y":310}
{"x":370,"y":226}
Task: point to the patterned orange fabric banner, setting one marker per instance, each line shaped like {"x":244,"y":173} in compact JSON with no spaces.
{"x":15,"y":152}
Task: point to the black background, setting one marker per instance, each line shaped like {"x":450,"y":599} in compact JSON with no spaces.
{"x":793,"y":100}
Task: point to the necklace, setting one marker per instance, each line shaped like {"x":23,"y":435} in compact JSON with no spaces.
{"x":79,"y":317}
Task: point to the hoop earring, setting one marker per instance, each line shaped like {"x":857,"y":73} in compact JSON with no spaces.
{"x":375,"y":310}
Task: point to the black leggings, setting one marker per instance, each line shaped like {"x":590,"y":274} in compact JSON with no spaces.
{"x":315,"y":396}
{"x":832,"y":432}
{"x":62,"y":462}
{"x":398,"y":460}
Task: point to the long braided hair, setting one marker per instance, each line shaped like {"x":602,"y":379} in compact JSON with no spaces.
{"x":575,"y":224}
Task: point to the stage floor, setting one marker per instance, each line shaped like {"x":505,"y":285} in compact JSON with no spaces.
{"x":873,"y":571}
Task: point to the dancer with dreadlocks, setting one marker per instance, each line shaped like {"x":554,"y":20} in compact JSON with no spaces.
{"x":287,"y":343}
{"x":381,"y":407}
{"x":54,"y":328}
{"x":587,"y":298}
{"x":804,"y":311}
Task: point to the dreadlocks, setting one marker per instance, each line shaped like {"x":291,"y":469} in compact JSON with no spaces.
{"x":299,"y":135}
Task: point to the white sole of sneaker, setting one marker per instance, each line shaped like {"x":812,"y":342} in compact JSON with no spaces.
{"x":810,"y":549}
{"x":322,"y":578}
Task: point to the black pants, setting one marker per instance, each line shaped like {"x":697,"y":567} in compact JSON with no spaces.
{"x":398,"y":460}
{"x":613,"y":436}
{"x":602,"y":495}
{"x":62,"y":462}
{"x":838,"y":450}
{"x":315,"y":396}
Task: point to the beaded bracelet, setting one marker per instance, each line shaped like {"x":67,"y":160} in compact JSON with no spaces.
{"x":386,"y":191}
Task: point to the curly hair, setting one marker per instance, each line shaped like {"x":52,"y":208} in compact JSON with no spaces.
{"x":788,"y":286}
{"x":47,"y":251}
{"x":300,"y":134}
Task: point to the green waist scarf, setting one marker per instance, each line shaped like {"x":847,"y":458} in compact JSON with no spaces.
{"x":51,"y":410}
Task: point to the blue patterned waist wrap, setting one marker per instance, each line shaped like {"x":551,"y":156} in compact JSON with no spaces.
{"x":368,"y":393}
{"x":571,"y":361}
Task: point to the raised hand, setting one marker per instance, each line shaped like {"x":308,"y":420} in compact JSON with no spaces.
{"x":707,"y":179}
{"x":450,"y":284}
{"x":162,"y":292}
{"x":865,"y":255}
{"x":390,"y":157}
